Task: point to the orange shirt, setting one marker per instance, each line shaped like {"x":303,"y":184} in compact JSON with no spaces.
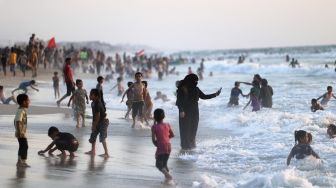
{"x":12,"y":58}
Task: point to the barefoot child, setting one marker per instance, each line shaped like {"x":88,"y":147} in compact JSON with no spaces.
{"x":20,"y":123}
{"x":128,"y":93}
{"x":78,"y":97}
{"x":63,"y":141}
{"x":55,"y":79}
{"x":161,"y":133}
{"x":301,"y":149}
{"x":99,"y":123}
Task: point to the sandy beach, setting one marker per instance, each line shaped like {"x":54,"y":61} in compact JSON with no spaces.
{"x":132,"y":162}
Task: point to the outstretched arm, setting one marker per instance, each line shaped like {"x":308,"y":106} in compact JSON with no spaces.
{"x":333,"y":96}
{"x":321,"y":96}
{"x":34,"y":88}
{"x":247,"y":83}
{"x":47,"y":149}
{"x":204,"y":96}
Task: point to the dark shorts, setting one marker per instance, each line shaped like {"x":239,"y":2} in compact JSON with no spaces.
{"x":12,"y":67}
{"x":68,"y":146}
{"x":137,"y":108}
{"x":70,"y":88}
{"x":101,"y":130}
{"x":161,"y":161}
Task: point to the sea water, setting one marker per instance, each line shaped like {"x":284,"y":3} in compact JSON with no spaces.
{"x":249,"y":148}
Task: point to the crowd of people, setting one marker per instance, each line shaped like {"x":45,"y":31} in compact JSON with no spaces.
{"x":138,"y":100}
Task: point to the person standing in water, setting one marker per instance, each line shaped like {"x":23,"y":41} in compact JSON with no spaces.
{"x":188,"y":95}
{"x":254,"y":97}
{"x":326,"y":96}
{"x":266,"y":93}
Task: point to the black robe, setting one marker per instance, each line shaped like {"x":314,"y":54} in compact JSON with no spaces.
{"x":187,"y":102}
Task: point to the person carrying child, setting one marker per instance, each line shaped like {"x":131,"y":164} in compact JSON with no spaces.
{"x":301,"y":148}
{"x":20,"y":124}
{"x":161,"y":134}
{"x":62,"y":141}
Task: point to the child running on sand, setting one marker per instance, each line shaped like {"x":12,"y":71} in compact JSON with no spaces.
{"x":327,"y":96}
{"x":161,"y":134}
{"x":24,"y":86}
{"x":20,"y":124}
{"x":235,"y":92}
{"x":78,"y":97}
{"x":315,"y":106}
{"x":99,"y":124}
{"x":5,"y":100}
{"x":254,"y":97}
{"x":62,"y":141}
{"x":55,"y":80}
{"x":302,"y":148}
{"x":129,"y":94}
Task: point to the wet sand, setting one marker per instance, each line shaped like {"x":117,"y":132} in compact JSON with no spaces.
{"x":131,"y":164}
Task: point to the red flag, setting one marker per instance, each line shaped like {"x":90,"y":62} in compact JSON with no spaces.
{"x":140,"y":53}
{"x":52,"y":43}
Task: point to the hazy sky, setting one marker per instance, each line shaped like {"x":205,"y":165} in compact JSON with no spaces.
{"x":173,"y":24}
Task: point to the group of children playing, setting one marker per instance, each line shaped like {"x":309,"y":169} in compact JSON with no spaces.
{"x":260,"y":94}
{"x":137,"y":95}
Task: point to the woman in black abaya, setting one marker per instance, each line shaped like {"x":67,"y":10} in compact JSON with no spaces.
{"x":188,"y":95}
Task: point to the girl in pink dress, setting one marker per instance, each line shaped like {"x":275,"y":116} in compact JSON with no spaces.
{"x":161,"y":134}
